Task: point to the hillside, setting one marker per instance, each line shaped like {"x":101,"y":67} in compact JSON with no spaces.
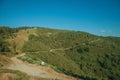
{"x":79,"y":54}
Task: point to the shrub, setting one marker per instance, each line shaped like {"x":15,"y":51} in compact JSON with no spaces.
{"x":30,"y":59}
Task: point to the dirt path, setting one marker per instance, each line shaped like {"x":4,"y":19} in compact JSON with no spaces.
{"x":36,"y":70}
{"x":95,"y":40}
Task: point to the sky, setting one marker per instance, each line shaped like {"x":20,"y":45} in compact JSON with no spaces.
{"x":99,"y":17}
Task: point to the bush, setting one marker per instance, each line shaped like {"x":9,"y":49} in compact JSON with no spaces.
{"x":30,"y":59}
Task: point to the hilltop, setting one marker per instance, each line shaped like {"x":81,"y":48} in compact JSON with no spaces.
{"x":75,"y":53}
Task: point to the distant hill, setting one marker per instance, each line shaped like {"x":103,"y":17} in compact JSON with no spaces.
{"x":79,"y":54}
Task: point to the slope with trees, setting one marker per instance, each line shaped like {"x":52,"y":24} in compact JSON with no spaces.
{"x":75,"y":53}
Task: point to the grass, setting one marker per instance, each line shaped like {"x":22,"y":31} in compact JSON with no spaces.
{"x":30,"y":59}
{"x":7,"y":74}
{"x":4,"y":60}
{"x":83,"y":53}
{"x":17,"y":41}
{"x":21,"y":75}
{"x":80,"y":54}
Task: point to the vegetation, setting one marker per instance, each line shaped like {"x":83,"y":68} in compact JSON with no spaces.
{"x":21,"y":76}
{"x":6,"y":74}
{"x":30,"y":59}
{"x":75,"y":53}
{"x":4,"y":61}
{"x":5,"y":33}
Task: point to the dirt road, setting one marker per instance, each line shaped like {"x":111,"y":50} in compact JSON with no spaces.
{"x":36,"y":70}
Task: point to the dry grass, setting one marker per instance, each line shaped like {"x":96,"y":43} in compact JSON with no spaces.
{"x":12,"y":75}
{"x":37,"y":78}
{"x":4,"y":61}
{"x":8,"y":76}
{"x":50,"y":70}
{"x":19,"y":39}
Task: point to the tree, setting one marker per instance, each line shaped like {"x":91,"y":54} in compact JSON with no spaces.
{"x":14,"y":46}
{"x":3,"y":46}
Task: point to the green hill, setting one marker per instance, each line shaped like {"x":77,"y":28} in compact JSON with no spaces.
{"x":75,"y":53}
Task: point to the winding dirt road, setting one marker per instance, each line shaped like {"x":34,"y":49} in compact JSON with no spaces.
{"x":36,"y":70}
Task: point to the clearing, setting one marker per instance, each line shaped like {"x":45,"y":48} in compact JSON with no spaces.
{"x":36,"y":70}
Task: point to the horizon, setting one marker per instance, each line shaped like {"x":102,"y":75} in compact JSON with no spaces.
{"x":99,"y":17}
{"x":59,"y":29}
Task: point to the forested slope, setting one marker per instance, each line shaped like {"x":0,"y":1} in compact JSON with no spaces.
{"x":75,"y":53}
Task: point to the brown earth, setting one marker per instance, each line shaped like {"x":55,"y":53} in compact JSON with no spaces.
{"x":4,"y":61}
{"x":37,"y":70}
{"x":8,"y":76}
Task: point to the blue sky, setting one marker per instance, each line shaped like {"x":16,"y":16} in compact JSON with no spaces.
{"x":100,"y":17}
